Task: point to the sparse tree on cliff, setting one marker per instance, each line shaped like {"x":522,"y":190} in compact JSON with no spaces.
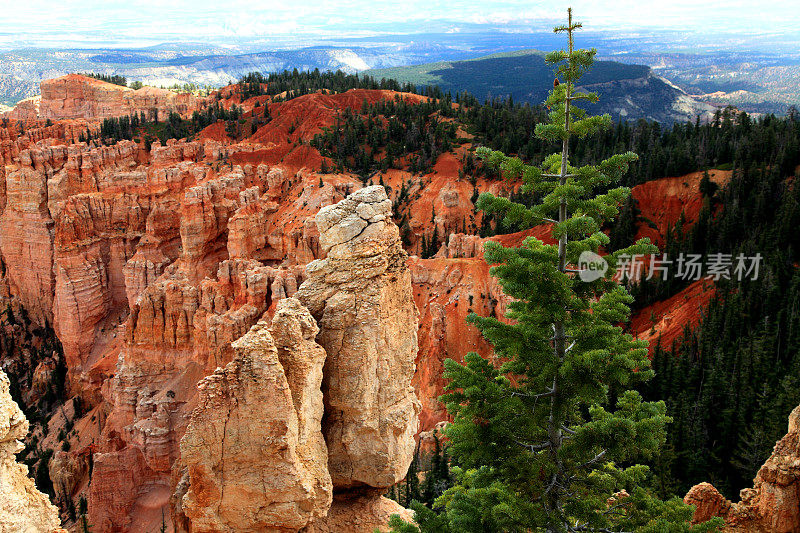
{"x":547,"y":433}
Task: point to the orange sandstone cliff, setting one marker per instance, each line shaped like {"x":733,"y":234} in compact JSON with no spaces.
{"x":76,"y":96}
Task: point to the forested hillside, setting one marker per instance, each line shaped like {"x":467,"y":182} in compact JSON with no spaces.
{"x":629,"y":91}
{"x":730,"y":383}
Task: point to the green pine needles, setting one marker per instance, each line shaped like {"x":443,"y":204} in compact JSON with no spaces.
{"x":547,"y":434}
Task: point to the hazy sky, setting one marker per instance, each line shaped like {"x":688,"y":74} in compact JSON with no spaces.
{"x":220,"y":19}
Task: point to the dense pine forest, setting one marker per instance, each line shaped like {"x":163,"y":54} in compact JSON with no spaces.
{"x":731,"y":383}
{"x":367,"y":141}
{"x":298,"y":83}
{"x":152,"y":127}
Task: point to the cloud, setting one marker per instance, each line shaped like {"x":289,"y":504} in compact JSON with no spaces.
{"x":207,"y":19}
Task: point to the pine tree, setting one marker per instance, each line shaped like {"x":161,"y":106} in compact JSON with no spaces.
{"x":437,"y":476}
{"x":707,"y":187}
{"x":85,"y":526}
{"x":537,"y":441}
{"x":411,"y":492}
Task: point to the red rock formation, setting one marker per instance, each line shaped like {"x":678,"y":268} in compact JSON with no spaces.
{"x":76,"y":96}
{"x":773,"y":504}
{"x":664,"y":322}
{"x":26,"y":238}
{"x":151,"y":264}
{"x":25,"y":110}
{"x":274,"y":231}
{"x":440,"y":203}
{"x":305,"y":116}
{"x":707,"y":501}
{"x":447,"y":288}
{"x":662,"y":201}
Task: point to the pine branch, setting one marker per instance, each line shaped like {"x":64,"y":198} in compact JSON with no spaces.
{"x":533,"y":447}
{"x":550,"y":392}
{"x":592,"y":461}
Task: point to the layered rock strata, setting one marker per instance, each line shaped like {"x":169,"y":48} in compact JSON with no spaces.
{"x":76,"y":96}
{"x":151,"y":262}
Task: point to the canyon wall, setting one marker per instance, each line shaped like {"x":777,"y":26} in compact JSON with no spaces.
{"x":164,"y":267}
{"x":80,"y":97}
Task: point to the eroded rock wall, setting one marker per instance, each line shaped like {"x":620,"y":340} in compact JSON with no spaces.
{"x":773,"y":504}
{"x":151,"y":263}
{"x":76,"y":96}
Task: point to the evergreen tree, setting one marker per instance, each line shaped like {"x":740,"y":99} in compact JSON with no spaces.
{"x":437,"y":477}
{"x":707,"y":187}
{"x":85,"y":526}
{"x":411,"y":492}
{"x":538,"y":443}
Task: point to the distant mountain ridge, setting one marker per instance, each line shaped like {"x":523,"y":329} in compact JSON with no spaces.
{"x":22,"y":70}
{"x":626,"y":91}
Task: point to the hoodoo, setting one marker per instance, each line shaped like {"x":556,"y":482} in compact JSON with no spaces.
{"x":253,"y":457}
{"x":361,"y":296}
